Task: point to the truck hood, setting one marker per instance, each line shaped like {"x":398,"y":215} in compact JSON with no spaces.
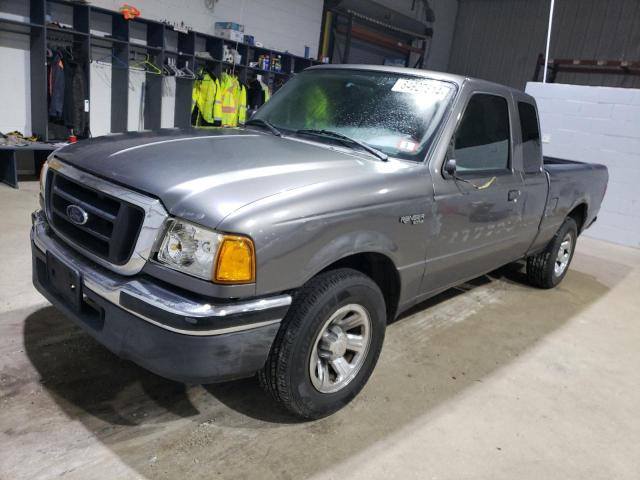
{"x":204,"y":175}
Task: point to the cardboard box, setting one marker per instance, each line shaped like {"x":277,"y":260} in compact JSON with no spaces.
{"x":229,"y":26}
{"x":229,"y":34}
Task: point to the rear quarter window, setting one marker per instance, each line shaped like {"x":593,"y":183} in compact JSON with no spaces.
{"x":531,"y":145}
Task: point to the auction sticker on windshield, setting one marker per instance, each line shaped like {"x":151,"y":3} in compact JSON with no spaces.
{"x":407,"y":146}
{"x":419,"y":86}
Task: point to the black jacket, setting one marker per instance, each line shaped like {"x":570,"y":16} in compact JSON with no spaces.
{"x":56,"y":86}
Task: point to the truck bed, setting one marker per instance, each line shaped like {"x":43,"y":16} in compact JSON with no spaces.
{"x":573,"y":184}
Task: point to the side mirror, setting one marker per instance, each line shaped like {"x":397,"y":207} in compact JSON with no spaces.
{"x":450,"y":167}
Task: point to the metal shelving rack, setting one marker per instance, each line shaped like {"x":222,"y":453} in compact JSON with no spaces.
{"x":160,"y":43}
{"x":572,"y":65}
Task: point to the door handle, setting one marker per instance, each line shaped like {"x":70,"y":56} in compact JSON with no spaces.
{"x":513,"y":195}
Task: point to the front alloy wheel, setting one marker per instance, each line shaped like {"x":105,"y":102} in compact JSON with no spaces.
{"x":340,"y":348}
{"x":328,"y":344}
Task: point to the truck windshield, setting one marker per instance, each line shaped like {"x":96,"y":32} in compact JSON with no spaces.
{"x":394,"y":113}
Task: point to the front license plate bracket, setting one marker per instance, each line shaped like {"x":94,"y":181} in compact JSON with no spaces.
{"x":66,"y":281}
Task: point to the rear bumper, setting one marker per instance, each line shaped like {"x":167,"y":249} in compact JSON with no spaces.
{"x":180,"y":337}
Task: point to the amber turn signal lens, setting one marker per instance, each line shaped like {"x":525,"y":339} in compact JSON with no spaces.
{"x":236,"y":261}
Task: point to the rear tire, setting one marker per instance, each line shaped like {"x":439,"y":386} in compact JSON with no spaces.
{"x":548,"y":268}
{"x":338,"y":318}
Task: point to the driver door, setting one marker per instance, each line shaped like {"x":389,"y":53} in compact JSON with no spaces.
{"x":476,"y":223}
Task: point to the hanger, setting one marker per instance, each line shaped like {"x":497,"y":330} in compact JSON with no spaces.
{"x":145,"y":65}
{"x":187,"y":72}
{"x":152,"y":66}
{"x":166,"y":70}
{"x":230,"y":70}
{"x":114,"y":61}
{"x":171,"y":69}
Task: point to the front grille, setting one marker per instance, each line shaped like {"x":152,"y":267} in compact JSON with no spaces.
{"x":112,"y":226}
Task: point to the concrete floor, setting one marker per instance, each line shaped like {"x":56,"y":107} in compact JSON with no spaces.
{"x":488,"y":381}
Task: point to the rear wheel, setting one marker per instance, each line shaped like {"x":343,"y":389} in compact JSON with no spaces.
{"x":328,"y":344}
{"x":548,"y":268}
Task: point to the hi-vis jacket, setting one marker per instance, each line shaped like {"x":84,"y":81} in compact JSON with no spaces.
{"x":234,"y":101}
{"x":207,"y":96}
{"x":223,"y":102}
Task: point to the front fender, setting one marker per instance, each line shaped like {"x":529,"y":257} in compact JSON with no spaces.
{"x":346,"y":245}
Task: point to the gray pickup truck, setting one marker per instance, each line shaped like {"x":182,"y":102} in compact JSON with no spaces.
{"x":283,"y":248}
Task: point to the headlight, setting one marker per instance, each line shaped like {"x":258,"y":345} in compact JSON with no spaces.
{"x":43,"y":177}
{"x":206,"y":254}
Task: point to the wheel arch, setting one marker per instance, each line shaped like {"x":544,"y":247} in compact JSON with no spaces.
{"x":579,"y":214}
{"x":381,"y":269}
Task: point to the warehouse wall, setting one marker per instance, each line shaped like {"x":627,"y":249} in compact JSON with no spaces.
{"x":598,"y":125}
{"x":278,"y":24}
{"x":443,"y":28}
{"x":500,"y":40}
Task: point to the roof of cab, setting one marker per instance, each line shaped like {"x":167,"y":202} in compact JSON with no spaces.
{"x":451,"y":77}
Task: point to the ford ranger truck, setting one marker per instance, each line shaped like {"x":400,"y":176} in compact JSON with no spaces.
{"x":284,"y":248}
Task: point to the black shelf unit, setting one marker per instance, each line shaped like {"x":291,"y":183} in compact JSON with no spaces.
{"x":162,"y":42}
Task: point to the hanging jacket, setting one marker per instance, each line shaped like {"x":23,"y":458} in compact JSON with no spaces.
{"x":67,"y":104}
{"x":56,"y":86}
{"x":233,"y":101}
{"x":209,"y":87}
{"x":217,"y":104}
{"x":257,"y":94}
{"x":230,"y":100}
{"x":205,"y":100}
{"x":242,"y":105}
{"x":79,"y":117}
{"x":195,"y":98}
{"x":195,"y":92}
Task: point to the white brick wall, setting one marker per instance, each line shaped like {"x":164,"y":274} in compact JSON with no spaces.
{"x":599,"y":125}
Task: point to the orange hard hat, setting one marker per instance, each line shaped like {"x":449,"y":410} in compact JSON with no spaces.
{"x":129,"y":12}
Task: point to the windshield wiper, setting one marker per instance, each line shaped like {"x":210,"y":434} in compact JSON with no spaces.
{"x":264,"y":123}
{"x":345,"y":139}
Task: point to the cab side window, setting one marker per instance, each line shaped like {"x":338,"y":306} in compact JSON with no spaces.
{"x":531,"y":147}
{"x":482,"y":141}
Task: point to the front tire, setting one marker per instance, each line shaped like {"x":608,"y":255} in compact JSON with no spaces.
{"x":548,"y":268}
{"x":328,"y":344}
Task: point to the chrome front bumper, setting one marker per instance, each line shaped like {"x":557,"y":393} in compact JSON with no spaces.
{"x":142,"y":297}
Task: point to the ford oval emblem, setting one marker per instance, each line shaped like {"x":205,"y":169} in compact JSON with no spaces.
{"x":77,"y":215}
